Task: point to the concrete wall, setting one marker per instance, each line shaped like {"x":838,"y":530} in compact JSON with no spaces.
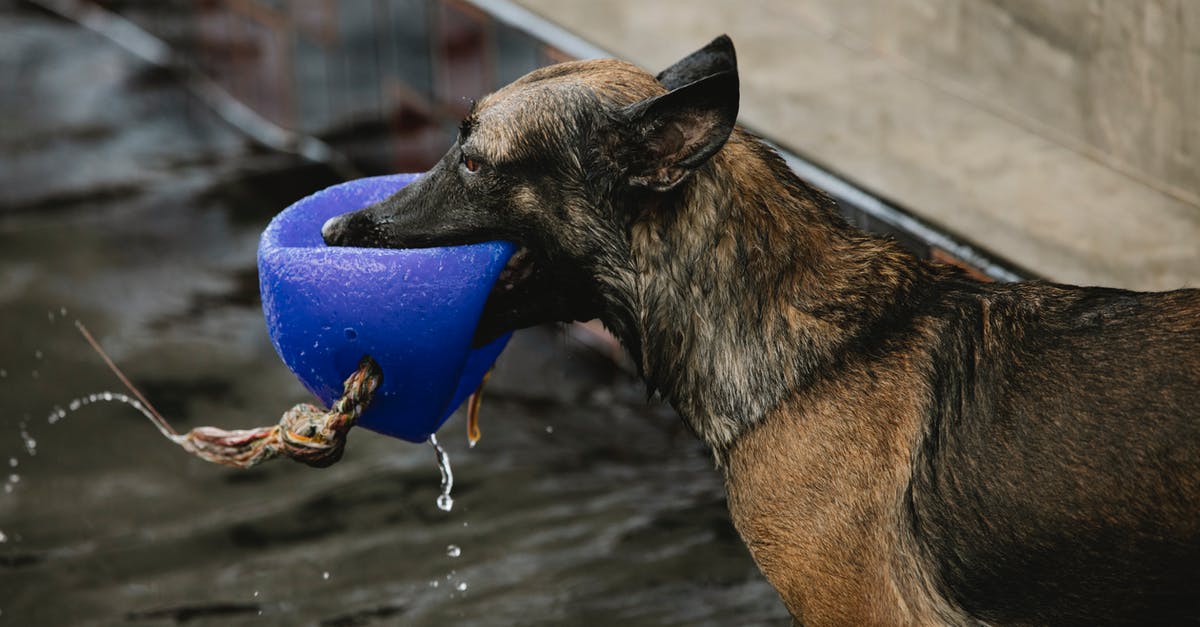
{"x":1059,"y":134}
{"x":1116,"y":79}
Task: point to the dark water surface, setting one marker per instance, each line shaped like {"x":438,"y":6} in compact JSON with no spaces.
{"x":125,"y":205}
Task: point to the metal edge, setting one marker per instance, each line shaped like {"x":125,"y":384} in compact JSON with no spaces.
{"x":876,"y":207}
{"x":539,"y":27}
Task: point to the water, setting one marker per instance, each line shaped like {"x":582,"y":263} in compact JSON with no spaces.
{"x":28,"y":440}
{"x":444,"y":502}
{"x":453,"y":550}
{"x":76,"y":404}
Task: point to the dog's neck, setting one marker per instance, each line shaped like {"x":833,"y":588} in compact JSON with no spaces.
{"x":746,"y":285}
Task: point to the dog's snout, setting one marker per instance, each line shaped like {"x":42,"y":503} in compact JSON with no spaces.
{"x":350,"y":229}
{"x":331,"y":230}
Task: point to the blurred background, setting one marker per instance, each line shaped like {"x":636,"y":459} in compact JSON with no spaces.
{"x":144,"y":146}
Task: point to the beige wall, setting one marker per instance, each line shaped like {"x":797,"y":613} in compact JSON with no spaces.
{"x":1059,"y":134}
{"x":1118,"y":80}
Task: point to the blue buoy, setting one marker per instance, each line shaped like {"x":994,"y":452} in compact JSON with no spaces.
{"x":414,"y":311}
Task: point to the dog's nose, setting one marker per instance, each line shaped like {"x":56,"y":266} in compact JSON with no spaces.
{"x":329,"y":230}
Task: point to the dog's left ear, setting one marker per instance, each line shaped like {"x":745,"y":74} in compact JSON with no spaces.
{"x":669,"y":136}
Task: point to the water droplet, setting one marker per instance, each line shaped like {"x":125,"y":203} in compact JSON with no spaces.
{"x":50,"y":316}
{"x":12,"y":462}
{"x":75,"y":404}
{"x":37,"y":354}
{"x":3,"y":373}
{"x":3,"y":538}
{"x":256,"y":593}
{"x":14,"y":478}
{"x":464,"y":523}
{"x":30,"y":443}
{"x":549,"y":429}
{"x":462,"y":586}
{"x":453,"y":551}
{"x":62,"y":311}
{"x":35,"y":374}
{"x":433,"y":583}
{"x":444,"y":502}
{"x":325,"y":575}
{"x":8,"y":488}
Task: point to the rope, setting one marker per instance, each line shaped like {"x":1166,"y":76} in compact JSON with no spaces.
{"x":305,"y":433}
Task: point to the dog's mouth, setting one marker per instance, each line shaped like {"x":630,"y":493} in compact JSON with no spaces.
{"x":519,"y":269}
{"x":532,"y":290}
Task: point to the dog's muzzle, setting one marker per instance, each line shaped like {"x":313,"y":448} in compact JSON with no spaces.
{"x":353,"y":229}
{"x":329,"y":229}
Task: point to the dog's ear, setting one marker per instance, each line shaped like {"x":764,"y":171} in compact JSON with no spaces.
{"x":671,"y":135}
{"x":718,"y":56}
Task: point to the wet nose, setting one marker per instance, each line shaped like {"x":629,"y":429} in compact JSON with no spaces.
{"x":331,"y":230}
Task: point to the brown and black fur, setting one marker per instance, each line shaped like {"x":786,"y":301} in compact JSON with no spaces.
{"x":901,"y":444}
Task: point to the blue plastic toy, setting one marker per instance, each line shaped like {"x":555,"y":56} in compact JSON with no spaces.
{"x":414,"y":311}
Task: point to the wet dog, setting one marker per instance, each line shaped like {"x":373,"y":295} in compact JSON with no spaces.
{"x":901,"y":444}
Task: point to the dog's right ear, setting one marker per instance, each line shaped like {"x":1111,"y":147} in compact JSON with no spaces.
{"x":667,"y":137}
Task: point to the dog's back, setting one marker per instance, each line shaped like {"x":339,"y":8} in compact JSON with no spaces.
{"x":1059,"y":479}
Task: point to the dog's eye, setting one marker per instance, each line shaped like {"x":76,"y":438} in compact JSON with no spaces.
{"x":470,"y":164}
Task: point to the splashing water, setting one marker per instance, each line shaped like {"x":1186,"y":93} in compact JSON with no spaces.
{"x":444,"y":502}
{"x":453,"y":551}
{"x":58,"y":413}
{"x":462,"y":586}
{"x":30,"y":443}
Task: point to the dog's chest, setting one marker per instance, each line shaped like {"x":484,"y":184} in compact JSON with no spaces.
{"x":814,"y":490}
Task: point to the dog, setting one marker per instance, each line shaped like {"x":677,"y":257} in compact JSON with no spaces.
{"x":901,"y":444}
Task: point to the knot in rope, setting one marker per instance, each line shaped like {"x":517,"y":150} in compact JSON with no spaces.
{"x":305,"y":433}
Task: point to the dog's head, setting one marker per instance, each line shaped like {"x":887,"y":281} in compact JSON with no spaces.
{"x":561,"y":162}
